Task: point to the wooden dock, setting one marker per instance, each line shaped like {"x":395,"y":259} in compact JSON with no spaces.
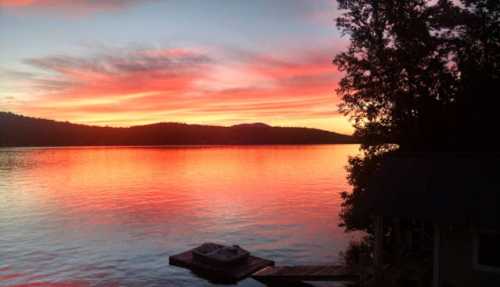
{"x":280,"y":276}
{"x":229,"y":274}
{"x":262,"y":270}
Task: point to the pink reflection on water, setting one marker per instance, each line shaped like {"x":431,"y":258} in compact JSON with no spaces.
{"x":107,"y":206}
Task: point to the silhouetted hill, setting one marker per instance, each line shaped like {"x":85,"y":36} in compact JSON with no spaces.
{"x":16,"y":130}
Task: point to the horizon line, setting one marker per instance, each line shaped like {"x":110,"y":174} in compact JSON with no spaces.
{"x":168,"y":122}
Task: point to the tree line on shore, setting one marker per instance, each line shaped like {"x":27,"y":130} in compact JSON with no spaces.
{"x":16,"y":130}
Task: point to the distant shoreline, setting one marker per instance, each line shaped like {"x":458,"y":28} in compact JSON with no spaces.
{"x":21,"y":131}
{"x":172,"y":146}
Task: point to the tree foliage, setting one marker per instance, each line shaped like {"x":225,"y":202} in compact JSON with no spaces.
{"x":420,"y":76}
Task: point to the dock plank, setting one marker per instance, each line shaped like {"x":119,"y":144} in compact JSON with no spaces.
{"x":273,"y":275}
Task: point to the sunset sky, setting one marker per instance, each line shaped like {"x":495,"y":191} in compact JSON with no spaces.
{"x":130,"y":62}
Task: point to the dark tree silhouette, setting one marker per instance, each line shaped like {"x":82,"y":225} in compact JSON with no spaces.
{"x":420,"y":76}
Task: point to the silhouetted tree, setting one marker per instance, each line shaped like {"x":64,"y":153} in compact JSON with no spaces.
{"x":419,"y":76}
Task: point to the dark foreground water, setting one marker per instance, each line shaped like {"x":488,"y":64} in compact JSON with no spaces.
{"x":112,"y":216}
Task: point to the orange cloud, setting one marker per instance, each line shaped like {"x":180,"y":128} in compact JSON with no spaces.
{"x":144,"y":86}
{"x":15,"y":3}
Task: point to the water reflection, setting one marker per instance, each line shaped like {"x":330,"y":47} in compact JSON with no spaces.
{"x":111,"y":216}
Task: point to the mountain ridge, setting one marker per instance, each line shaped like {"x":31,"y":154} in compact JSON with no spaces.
{"x":19,"y":130}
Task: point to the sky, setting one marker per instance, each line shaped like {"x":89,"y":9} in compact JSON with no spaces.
{"x":134,"y":62}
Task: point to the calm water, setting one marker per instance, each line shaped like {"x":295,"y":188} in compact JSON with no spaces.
{"x":112,"y":216}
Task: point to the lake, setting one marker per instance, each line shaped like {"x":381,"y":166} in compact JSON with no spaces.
{"x":111,"y":216}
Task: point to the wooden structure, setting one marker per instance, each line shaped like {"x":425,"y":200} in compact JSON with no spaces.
{"x":295,"y":275}
{"x":260,"y":269}
{"x":458,"y":194}
{"x":218,"y":274}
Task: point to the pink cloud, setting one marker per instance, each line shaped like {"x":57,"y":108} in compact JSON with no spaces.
{"x":150,"y":85}
{"x":130,"y":72}
{"x":74,"y":6}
